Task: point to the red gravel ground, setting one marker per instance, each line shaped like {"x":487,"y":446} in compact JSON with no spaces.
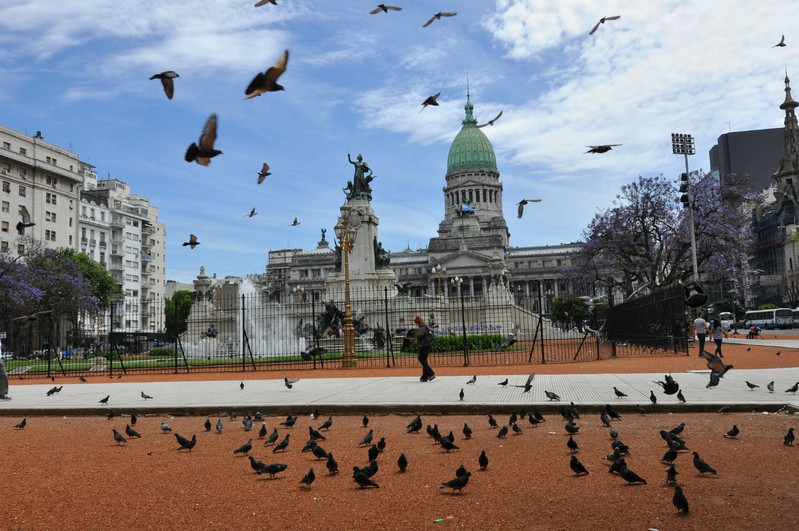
{"x":68,"y":473}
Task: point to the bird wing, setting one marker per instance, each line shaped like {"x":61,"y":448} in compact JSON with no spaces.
{"x":264,"y":172}
{"x":169,"y":86}
{"x":495,"y":118}
{"x":192,"y":239}
{"x":26,"y":217}
{"x":614,"y":17}
{"x":429,"y":21}
{"x":595,"y":28}
{"x":393,"y":8}
{"x":521,"y":208}
{"x":208,"y":136}
{"x":447,"y":14}
{"x":278,"y":68}
{"x":435,"y":96}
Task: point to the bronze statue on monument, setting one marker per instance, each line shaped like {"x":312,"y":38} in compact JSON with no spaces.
{"x":359,"y":187}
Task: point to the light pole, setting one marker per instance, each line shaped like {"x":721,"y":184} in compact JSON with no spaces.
{"x":439,"y":272}
{"x":682,"y":144}
{"x":298,"y":292}
{"x":457,"y":283}
{"x":346,"y":237}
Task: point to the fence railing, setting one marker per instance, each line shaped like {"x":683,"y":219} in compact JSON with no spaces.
{"x":253,"y":332}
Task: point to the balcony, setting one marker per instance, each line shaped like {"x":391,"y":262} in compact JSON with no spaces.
{"x":103,"y":244}
{"x":92,"y":242}
{"x":146,"y":258}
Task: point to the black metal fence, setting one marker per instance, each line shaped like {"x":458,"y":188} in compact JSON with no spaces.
{"x":253,"y":332}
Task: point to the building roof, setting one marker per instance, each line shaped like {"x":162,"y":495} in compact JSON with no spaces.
{"x":471,"y":149}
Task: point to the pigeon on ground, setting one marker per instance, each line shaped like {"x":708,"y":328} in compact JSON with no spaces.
{"x":267,"y":81}
{"x":652,"y":397}
{"x":415,"y":425}
{"x":282,"y":445}
{"x":631,"y":477}
{"x":165,"y":427}
{"x":254,"y":464}
{"x":203,"y":152}
{"x":613,"y":456}
{"x":503,"y":431}
{"x":326,"y":424}
{"x":678,"y":429}
{"x":458,"y":483}
{"x":263,"y":431}
{"x":618,"y":393}
{"x":680,"y":397}
{"x":577,"y":467}
{"x":219,"y":426}
{"x":130,"y":432}
{"x":616,"y":466}
{"x":437,"y":16}
{"x":82,"y":379}
{"x":793,"y":388}
{"x":367,"y":439}
{"x":714,"y":380}
{"x":54,"y":390}
{"x":381,"y":444}
{"x":612,"y":413}
{"x":623,"y":448}
{"x":192,"y":241}
{"x":641,"y":410}
{"x":491,"y":122}
{"x":679,"y":500}
{"x":671,"y":474}
{"x":602,"y":21}
{"x":460,"y":471}
{"x":670,"y":455}
{"x":605,"y":419}
{"x":373,"y":453}
{"x":733,"y":433}
{"x":289,"y":422}
{"x":118,"y":437}
{"x":133,"y":419}
{"x":362,"y":479}
{"x":516,"y":428}
{"x":467,"y":431}
{"x":273,"y":469}
{"x":207,"y":424}
{"x":244,"y":448}
{"x":751,"y":386}
{"x":503,"y":383}
{"x":724,"y":410}
{"x":572,"y":445}
{"x":166,"y":80}
{"x":384,"y":8}
{"x":702,"y":466}
{"x":402,"y":462}
{"x":145,"y":396}
{"x":272,"y":438}
{"x":460,"y":395}
{"x":483,"y":460}
{"x":787,"y":440}
{"x":431,"y":100}
{"x":331,"y":464}
{"x":308,"y":478}
{"x":315,"y":434}
{"x":572,"y":428}
{"x":770,"y":386}
{"x":111,"y":414}
{"x":104,"y":400}
{"x":186,"y":444}
{"x":448,"y":445}
{"x":365,"y":421}
{"x":551,"y":396}
{"x":491,"y":422}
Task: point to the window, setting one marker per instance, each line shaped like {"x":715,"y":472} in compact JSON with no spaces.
{"x":6,"y":145}
{"x":50,"y":198}
{"x":49,"y":216}
{"x":23,"y":151}
{"x":70,"y":239}
{"x":22,"y":173}
{"x":5,"y":226}
{"x":6,"y":186}
{"x":22,"y":191}
{"x":71,"y":204}
{"x":5,"y":206}
{"x":3,"y":246}
{"x":20,"y":247}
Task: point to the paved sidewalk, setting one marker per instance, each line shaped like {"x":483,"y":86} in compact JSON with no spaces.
{"x":408,"y":395}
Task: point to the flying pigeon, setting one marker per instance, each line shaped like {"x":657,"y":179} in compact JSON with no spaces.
{"x":264,"y":173}
{"x":264,"y":2}
{"x":523,"y":202}
{"x":192,"y":241}
{"x":604,"y":148}
{"x":24,"y":320}
{"x":430,"y":101}
{"x":295,"y":223}
{"x":438,"y":16}
{"x":491,"y":122}
{"x":384,"y":8}
{"x":602,"y":21}
{"x":166,"y":80}
{"x":26,"y":219}
{"x":204,"y":152}
{"x":780,"y":44}
{"x":251,"y":214}
{"x":267,"y":81}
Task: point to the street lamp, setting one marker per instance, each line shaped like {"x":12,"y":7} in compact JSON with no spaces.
{"x":457,"y":283}
{"x":439,"y":272}
{"x":298,"y":292}
{"x":346,"y":237}
{"x":682,"y":144}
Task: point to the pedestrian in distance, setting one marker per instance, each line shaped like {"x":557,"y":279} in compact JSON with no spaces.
{"x":700,"y":325}
{"x":718,"y":334}
{"x":426,"y":338}
{"x":3,"y":378}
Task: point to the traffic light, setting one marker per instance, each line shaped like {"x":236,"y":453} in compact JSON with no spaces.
{"x":685,"y":198}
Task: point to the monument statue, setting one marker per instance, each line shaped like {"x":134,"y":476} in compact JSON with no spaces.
{"x":382,"y":257}
{"x":359,"y":187}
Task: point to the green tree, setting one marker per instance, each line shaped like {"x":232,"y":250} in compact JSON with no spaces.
{"x":103,"y":285}
{"x":569,"y":309}
{"x":177,"y":310}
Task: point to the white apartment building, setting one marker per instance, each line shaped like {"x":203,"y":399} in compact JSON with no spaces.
{"x":72,"y":209}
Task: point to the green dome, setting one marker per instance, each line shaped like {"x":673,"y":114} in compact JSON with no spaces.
{"x":471,"y":149}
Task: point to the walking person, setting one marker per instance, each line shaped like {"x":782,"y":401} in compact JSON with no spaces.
{"x":426,"y":339}
{"x":700,"y":325}
{"x":3,"y":377}
{"x":718,"y":334}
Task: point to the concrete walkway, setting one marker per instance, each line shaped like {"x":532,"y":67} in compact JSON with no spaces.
{"x":408,"y":395}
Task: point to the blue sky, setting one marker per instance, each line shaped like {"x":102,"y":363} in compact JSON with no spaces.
{"x":78,"y":71}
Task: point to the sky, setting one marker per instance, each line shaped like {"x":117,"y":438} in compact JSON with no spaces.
{"x":78,"y":71}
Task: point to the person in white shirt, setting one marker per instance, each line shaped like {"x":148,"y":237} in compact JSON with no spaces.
{"x":700,"y":325}
{"x":3,"y":377}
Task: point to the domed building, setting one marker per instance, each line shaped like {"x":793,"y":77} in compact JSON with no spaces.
{"x":473,"y":241}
